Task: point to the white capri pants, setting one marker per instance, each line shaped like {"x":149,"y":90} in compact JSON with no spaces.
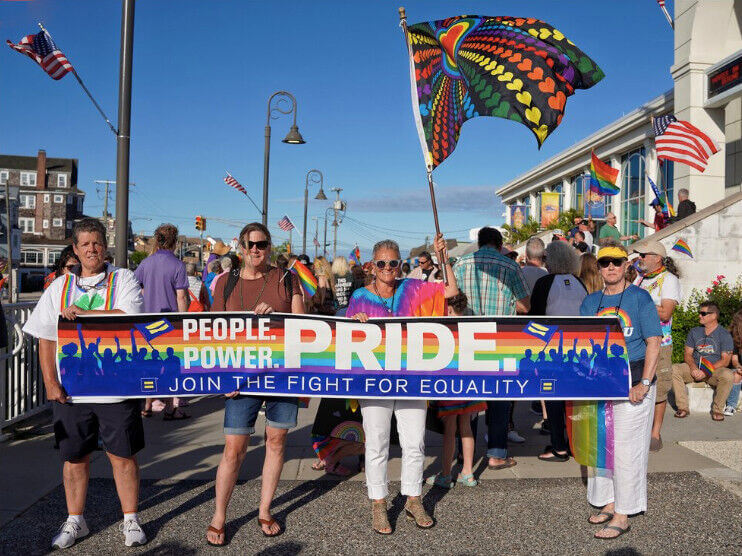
{"x":377,"y":424}
{"x":626,"y":485}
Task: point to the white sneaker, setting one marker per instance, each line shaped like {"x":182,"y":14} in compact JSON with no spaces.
{"x":133,"y":534}
{"x":513,"y":436}
{"x":68,"y":533}
{"x":729,"y":410}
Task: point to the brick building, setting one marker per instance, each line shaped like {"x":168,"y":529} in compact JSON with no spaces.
{"x":50,"y":202}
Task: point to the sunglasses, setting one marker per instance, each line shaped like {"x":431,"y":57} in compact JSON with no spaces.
{"x":704,"y":313}
{"x":642,"y":255}
{"x":394,"y":263}
{"x":262,"y":245}
{"x":70,"y":266}
{"x":604,"y":263}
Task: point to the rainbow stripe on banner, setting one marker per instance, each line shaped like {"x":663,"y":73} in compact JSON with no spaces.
{"x":461,"y":358}
{"x":306,"y":278}
{"x":706,"y":366}
{"x":602,"y":177}
{"x":682,"y":247}
{"x":590,"y":431}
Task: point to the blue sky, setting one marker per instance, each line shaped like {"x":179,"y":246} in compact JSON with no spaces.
{"x":203,"y":72}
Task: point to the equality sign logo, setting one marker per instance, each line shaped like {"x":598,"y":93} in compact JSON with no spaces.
{"x":301,"y":355}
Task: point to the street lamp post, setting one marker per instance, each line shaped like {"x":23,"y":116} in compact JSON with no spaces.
{"x":293,"y":138}
{"x":311,"y":177}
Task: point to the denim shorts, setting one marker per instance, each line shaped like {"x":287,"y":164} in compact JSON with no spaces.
{"x":241,"y":412}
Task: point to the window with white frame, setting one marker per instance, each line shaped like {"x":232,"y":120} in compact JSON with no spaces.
{"x":27,"y":201}
{"x":56,"y":222}
{"x":52,"y":257}
{"x":28,"y":179}
{"x":62,"y":180}
{"x":32,"y":257}
{"x":27,"y":225}
{"x":46,"y":197}
{"x":45,"y":223}
{"x":4,"y":176}
{"x":632,"y":192}
{"x":59,"y":198}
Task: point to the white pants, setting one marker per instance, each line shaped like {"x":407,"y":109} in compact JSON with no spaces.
{"x":377,"y":424}
{"x":626,"y":485}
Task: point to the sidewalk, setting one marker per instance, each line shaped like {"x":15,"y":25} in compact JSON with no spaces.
{"x":191,"y":449}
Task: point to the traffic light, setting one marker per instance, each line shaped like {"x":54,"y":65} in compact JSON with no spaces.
{"x":200,"y":223}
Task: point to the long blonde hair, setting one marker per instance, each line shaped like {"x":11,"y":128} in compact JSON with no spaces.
{"x":322,"y":268}
{"x":340,"y":267}
{"x":589,"y":273}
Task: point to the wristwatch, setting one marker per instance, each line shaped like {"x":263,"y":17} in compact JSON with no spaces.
{"x":646,"y":382}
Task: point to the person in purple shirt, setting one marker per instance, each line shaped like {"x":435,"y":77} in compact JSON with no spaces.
{"x":165,"y":289}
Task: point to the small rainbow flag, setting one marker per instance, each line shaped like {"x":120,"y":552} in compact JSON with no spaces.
{"x":602,"y":177}
{"x":590,"y":431}
{"x":306,"y":278}
{"x":706,"y":366}
{"x":355,"y":255}
{"x":682,"y":247}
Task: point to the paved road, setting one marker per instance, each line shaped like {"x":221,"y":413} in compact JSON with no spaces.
{"x":527,"y":516}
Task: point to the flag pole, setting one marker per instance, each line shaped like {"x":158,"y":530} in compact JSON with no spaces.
{"x":421,"y":133}
{"x":87,"y":92}
{"x":248,"y":196}
{"x":667,"y":15}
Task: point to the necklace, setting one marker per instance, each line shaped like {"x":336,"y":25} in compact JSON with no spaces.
{"x":383,"y":301}
{"x":260,"y":293}
{"x":620,"y":299}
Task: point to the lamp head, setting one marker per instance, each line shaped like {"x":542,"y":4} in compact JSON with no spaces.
{"x":294,"y":137}
{"x":321,"y":195}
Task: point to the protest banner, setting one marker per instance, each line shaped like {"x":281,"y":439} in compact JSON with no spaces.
{"x":172,"y":354}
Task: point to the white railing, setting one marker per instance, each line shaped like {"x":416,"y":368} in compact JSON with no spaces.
{"x":21,"y":382}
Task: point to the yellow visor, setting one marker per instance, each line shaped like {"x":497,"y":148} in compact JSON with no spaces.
{"x":612,"y":252}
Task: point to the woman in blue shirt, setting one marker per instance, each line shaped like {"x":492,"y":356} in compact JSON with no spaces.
{"x":622,"y":491}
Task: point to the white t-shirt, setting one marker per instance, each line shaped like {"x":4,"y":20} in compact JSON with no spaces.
{"x":42,"y":323}
{"x":588,"y":239}
{"x":664,"y":286}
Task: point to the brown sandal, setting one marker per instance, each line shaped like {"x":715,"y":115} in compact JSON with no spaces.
{"x":380,"y":519}
{"x":681,"y":413}
{"x":268,"y":523}
{"x":216,"y":532}
{"x":717,"y":416}
{"x":416,"y":512}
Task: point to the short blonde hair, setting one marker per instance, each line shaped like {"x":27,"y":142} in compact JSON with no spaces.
{"x":340,"y":266}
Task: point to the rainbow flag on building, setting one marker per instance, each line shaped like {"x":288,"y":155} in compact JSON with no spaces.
{"x":306,"y":278}
{"x":602,"y":177}
{"x":682,"y":247}
{"x":590,"y":432}
{"x":706,"y":366}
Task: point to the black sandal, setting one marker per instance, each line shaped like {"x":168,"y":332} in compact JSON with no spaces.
{"x":608,"y":517}
{"x":550,"y":454}
{"x":175,"y":415}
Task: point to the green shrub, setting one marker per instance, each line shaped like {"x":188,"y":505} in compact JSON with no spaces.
{"x":727,"y":296}
{"x":136,"y":258}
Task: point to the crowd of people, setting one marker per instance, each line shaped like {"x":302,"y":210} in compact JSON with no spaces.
{"x":563,"y":278}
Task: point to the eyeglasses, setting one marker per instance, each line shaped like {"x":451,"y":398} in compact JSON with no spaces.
{"x":394,"y":263}
{"x":604,"y":263}
{"x":70,"y":266}
{"x":704,"y":313}
{"x":424,"y":261}
{"x":262,"y":245}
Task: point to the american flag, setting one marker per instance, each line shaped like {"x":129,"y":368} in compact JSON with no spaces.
{"x":661,"y":3}
{"x":231,"y":182}
{"x":286,"y":224}
{"x":42,"y":50}
{"x":680,"y":141}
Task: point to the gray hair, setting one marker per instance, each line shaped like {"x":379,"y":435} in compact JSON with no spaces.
{"x":214,"y":266}
{"x":226,"y":263}
{"x":562,"y":258}
{"x":683,"y":192}
{"x":190,"y":269}
{"x":386,"y":244}
{"x":534,"y":249}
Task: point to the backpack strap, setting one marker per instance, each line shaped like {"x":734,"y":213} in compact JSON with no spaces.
{"x":232,"y":278}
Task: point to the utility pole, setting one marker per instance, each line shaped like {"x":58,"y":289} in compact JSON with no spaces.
{"x":316,"y":230}
{"x":123,"y":138}
{"x":335,"y":207}
{"x":324,"y":243}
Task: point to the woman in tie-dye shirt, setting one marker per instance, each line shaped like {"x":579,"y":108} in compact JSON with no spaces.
{"x":388,"y":296}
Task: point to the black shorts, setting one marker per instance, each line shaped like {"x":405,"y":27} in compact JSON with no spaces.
{"x":77,"y":428}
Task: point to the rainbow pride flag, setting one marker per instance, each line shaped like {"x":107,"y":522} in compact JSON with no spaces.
{"x":602,"y":177}
{"x":355,"y":255}
{"x":590,"y":431}
{"x":306,"y":278}
{"x":682,"y":247}
{"x":706,"y":366}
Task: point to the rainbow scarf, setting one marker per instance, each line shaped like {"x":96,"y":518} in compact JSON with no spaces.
{"x":682,"y":247}
{"x":654,"y":273}
{"x":70,"y":283}
{"x":306,"y":278}
{"x":602,"y":177}
{"x":706,"y":366}
{"x":590,"y":431}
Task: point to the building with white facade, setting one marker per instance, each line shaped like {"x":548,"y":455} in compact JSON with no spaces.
{"x":707,"y":75}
